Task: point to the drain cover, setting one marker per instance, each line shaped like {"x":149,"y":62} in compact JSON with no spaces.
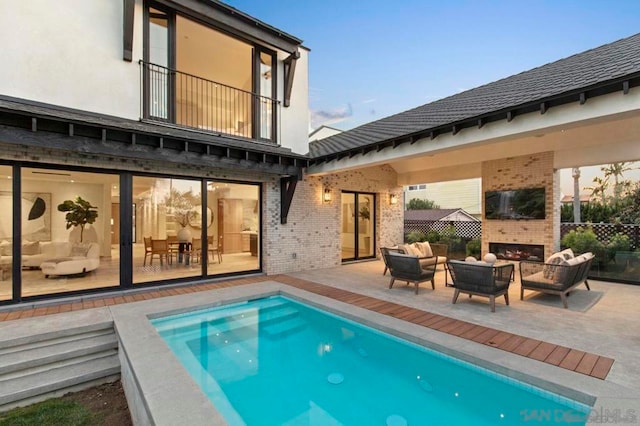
{"x":335,"y":378}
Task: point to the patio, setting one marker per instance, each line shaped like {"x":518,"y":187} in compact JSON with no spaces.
{"x":597,"y":322}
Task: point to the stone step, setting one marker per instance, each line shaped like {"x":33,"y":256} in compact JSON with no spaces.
{"x":26,"y":336}
{"x":42,"y":381}
{"x":44,"y":353}
{"x":44,"y":340}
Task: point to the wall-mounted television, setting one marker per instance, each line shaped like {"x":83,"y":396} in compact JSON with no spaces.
{"x":518,"y":204}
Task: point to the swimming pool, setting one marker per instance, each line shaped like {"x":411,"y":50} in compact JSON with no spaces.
{"x":276,"y":361}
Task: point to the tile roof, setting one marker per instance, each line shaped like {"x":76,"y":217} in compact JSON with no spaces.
{"x":581,"y":71}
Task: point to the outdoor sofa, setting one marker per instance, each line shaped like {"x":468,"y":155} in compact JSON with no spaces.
{"x":561,"y":273}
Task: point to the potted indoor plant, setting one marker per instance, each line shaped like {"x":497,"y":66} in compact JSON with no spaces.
{"x":79,"y":213}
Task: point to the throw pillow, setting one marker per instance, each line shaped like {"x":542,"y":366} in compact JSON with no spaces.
{"x":567,"y":254}
{"x":425,"y":249}
{"x":410,"y":249}
{"x":79,"y":250}
{"x":550,"y":265}
{"x":562,"y":271}
{"x":6,"y":248}
{"x":30,"y":248}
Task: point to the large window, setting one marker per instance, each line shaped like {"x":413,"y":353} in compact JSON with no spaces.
{"x":202,"y":78}
{"x":72,"y":249}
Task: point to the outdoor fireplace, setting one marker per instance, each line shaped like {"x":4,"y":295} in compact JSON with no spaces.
{"x":506,"y":251}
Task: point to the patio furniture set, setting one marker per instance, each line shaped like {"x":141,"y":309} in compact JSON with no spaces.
{"x":560,"y":274}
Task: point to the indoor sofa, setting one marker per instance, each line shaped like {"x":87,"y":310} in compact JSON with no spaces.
{"x":83,"y":258}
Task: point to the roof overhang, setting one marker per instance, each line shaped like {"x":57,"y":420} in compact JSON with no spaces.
{"x":40,"y":125}
{"x":606,"y":128}
{"x":432,"y":138}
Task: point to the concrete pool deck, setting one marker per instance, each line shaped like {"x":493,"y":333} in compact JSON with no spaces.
{"x":600,"y":322}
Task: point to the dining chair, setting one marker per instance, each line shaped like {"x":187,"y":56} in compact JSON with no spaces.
{"x":159,"y":248}
{"x":147,"y":249}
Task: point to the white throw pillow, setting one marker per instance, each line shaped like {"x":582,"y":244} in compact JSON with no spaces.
{"x":425,"y":249}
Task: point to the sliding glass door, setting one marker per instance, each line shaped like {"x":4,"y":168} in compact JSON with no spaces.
{"x":358,"y":225}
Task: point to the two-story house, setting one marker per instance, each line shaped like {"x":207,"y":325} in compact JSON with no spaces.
{"x":182,"y":122}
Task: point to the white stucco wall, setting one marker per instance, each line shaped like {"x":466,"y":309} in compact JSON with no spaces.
{"x":69,"y":53}
{"x":294,"y":123}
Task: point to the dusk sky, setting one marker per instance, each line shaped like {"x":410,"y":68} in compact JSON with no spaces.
{"x":372,"y":59}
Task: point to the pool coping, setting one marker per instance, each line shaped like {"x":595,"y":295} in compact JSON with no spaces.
{"x":152,"y":392}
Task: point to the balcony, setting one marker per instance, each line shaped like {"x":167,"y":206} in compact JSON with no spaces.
{"x":188,"y":101}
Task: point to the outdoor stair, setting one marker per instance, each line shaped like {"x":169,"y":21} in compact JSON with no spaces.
{"x":51,"y":363}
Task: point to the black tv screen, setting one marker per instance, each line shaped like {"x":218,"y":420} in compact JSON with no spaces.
{"x":528,"y":203}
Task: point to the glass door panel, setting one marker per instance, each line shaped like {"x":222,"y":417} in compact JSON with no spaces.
{"x":358,"y":230}
{"x":348,"y":208}
{"x":6,"y":232}
{"x":168,"y":220}
{"x":158,"y":75}
{"x":365,"y":225}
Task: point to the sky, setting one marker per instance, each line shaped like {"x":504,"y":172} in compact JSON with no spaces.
{"x":371,"y":59}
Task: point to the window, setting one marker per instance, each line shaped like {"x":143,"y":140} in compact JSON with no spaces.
{"x":199,"y":77}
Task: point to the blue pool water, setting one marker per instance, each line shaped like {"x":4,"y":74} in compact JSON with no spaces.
{"x":274,"y":361}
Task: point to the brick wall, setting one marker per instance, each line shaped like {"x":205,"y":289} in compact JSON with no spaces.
{"x":529,"y":171}
{"x":313,"y":231}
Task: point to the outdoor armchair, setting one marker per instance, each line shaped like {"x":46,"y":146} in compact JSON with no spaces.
{"x":407,"y":268}
{"x":480,"y":279}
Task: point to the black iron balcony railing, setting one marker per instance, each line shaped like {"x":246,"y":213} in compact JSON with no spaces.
{"x":189,"y":101}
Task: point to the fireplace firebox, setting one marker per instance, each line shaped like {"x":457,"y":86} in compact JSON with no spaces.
{"x":511,"y":251}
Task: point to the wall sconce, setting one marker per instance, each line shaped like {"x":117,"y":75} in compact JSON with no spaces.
{"x":393,"y":199}
{"x":326,"y":196}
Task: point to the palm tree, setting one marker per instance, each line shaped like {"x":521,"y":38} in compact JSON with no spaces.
{"x":599,"y":189}
{"x":575,"y":173}
{"x":616,"y":170}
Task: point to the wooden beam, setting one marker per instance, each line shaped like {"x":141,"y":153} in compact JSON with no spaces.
{"x":434,"y":134}
{"x":413,"y":139}
{"x":133,"y":138}
{"x":161,"y":144}
{"x":583,"y":98}
{"x":625,"y":87}
{"x":510,"y":115}
{"x":34,"y":124}
{"x":70,"y":129}
{"x":480,"y":123}
{"x":287,"y":189}
{"x":380,"y":147}
{"x":455,"y":129}
{"x":543,"y":107}
{"x":289,"y":74}
{"x":128,"y":10}
{"x":103,"y":135}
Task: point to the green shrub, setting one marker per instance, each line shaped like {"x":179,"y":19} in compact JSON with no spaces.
{"x":617,"y":243}
{"x":473,"y":248}
{"x":582,"y":240}
{"x":415,"y":236}
{"x":433,"y":236}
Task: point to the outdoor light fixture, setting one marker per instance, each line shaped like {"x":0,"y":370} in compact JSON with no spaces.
{"x":393,"y":199}
{"x":326,"y":197}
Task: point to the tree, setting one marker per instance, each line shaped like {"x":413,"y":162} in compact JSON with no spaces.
{"x":630,"y":213}
{"x":599,"y":189}
{"x":79,"y":213}
{"x":418,"y":204}
{"x":617,"y":170}
{"x":575,"y":173}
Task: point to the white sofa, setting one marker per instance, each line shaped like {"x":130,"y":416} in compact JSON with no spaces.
{"x":34,"y":253}
{"x":83,"y":258}
{"x":70,"y":258}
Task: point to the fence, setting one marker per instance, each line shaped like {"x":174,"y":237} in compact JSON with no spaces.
{"x":466,"y":230}
{"x":471,"y":230}
{"x":604,"y":231}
